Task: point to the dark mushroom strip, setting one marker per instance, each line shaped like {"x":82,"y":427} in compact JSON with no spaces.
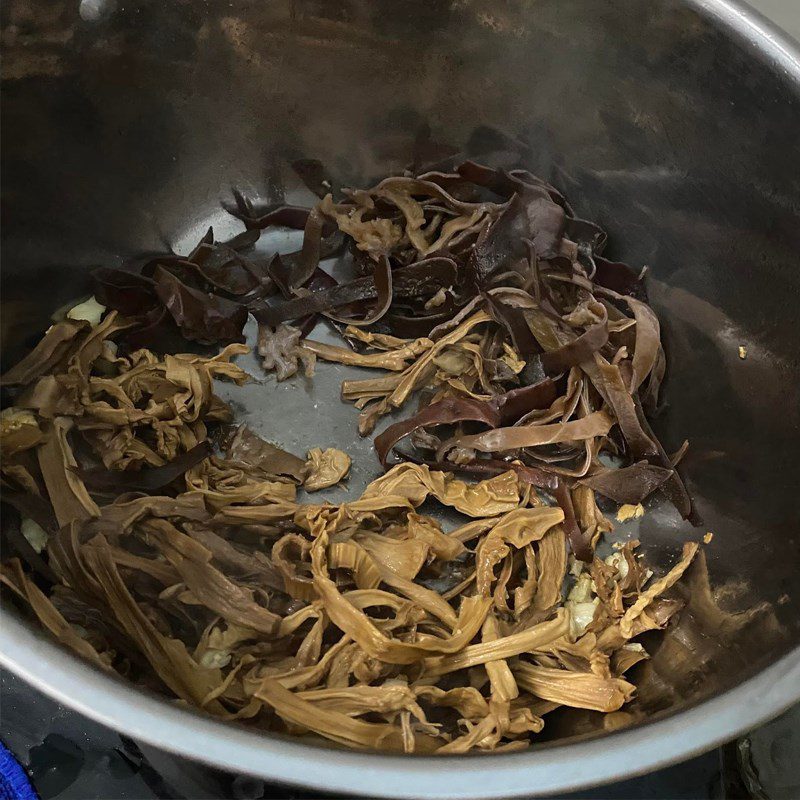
{"x":445,"y":412}
{"x":615,"y":391}
{"x":418,"y":280}
{"x":579,"y":350}
{"x":516,"y":403}
{"x":248,"y":450}
{"x":269,"y":217}
{"x":130,"y":293}
{"x":412,"y":326}
{"x":200,"y":317}
{"x":147,"y":479}
{"x":382,"y":277}
{"x":514,"y":320}
{"x":674,"y":485}
{"x":586,"y":233}
{"x":491,"y":466}
{"x":502,"y":409}
{"x":619,"y":277}
{"x":647,"y":351}
{"x":313,"y":174}
{"x":529,"y":216}
{"x":308,"y":260}
{"x":627,"y":484}
{"x":580,"y":544}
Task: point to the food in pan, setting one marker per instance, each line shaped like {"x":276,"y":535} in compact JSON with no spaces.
{"x":461,"y":598}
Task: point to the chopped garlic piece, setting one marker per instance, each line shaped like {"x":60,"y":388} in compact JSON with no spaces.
{"x":437,"y":300}
{"x":742,"y":352}
{"x":13,"y":418}
{"x":215,"y":658}
{"x":634,"y":647}
{"x":617,"y":560}
{"x":581,"y":616}
{"x":90,"y":310}
{"x":629,"y":511}
{"x":34,"y":533}
{"x":708,"y":537}
{"x":582,"y":591}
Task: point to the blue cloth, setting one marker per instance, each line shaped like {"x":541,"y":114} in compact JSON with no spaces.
{"x":14,"y":783}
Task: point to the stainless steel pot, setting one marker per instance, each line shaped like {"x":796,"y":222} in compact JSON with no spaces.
{"x":675,"y":124}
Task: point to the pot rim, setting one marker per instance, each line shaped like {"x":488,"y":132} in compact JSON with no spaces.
{"x":542,"y":771}
{"x":762,"y":36}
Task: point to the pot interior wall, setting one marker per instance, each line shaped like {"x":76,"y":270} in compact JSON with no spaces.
{"x":124,"y":127}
